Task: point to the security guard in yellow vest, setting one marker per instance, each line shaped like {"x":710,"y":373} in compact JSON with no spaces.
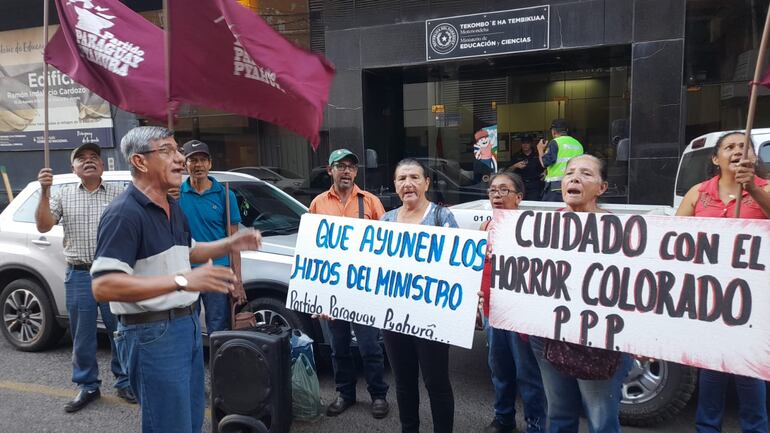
{"x":554,"y":157}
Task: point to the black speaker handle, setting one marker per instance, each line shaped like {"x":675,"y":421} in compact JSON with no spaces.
{"x":241,"y":424}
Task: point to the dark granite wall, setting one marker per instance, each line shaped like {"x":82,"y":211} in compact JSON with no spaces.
{"x":366,"y":34}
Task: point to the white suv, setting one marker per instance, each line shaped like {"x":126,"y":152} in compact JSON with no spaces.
{"x":32,"y":264}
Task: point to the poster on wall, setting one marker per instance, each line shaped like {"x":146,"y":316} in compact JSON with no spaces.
{"x":76,"y":114}
{"x":688,"y":290}
{"x":486,"y":34}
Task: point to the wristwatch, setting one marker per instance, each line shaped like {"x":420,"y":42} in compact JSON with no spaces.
{"x":181,"y":282}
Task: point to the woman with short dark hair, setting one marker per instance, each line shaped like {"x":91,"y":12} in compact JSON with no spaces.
{"x":410,"y":355}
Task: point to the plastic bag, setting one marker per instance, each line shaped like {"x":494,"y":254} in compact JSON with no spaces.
{"x":305,"y":390}
{"x":302,"y":343}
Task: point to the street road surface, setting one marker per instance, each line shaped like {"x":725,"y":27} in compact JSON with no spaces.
{"x":35,"y":386}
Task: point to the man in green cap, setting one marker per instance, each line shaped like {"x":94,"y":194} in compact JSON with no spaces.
{"x":79,"y":207}
{"x":346,"y":199}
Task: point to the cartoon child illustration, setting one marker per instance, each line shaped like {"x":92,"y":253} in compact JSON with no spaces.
{"x":485,"y":149}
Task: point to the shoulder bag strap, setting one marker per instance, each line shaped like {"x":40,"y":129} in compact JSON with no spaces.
{"x":360,"y":206}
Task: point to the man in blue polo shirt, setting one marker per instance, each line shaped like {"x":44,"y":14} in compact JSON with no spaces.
{"x":203,"y":202}
{"x":142,"y":267}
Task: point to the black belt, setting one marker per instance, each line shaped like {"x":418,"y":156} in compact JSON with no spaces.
{"x":156,"y":316}
{"x":83,"y":267}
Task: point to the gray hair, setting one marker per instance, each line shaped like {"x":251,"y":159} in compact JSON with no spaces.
{"x":600,"y":164}
{"x":138,"y":140}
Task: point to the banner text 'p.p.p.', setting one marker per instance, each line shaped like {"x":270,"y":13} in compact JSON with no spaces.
{"x":413,"y":279}
{"x":690,"y":290}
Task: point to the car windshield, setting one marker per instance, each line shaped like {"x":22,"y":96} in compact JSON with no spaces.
{"x":453,"y":174}
{"x":694,"y":168}
{"x":286,"y":173}
{"x":266,"y":209}
{"x":257,"y":172}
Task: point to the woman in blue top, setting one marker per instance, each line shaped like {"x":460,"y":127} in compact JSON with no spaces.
{"x":408,"y":355}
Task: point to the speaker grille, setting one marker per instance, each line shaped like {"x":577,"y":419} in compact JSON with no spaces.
{"x":241,"y":377}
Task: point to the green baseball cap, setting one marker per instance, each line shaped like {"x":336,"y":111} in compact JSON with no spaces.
{"x":340,"y":154}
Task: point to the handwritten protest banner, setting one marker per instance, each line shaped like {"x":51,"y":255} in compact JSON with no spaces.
{"x":690,"y":290}
{"x":413,"y":279}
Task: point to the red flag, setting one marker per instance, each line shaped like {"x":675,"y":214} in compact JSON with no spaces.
{"x":225,"y":56}
{"x":112,"y":50}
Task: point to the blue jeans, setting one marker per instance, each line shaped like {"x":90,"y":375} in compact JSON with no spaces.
{"x":371,"y":355}
{"x":165,"y":367}
{"x":712,"y":388}
{"x":599,"y":399}
{"x":83,"y":310}
{"x":217,"y":310}
{"x":512,"y":363}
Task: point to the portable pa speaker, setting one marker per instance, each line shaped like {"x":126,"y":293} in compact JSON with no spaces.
{"x":251,"y":380}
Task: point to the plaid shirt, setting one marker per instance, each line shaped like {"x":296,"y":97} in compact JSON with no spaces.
{"x":79,"y":212}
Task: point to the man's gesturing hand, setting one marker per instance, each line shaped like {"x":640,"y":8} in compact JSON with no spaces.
{"x":210,"y":278}
{"x":245,"y":240}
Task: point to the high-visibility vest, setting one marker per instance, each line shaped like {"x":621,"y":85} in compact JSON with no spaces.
{"x":568,"y":148}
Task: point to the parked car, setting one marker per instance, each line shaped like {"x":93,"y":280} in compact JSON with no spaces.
{"x":450,"y":166}
{"x":284,"y":179}
{"x":449,"y":185}
{"x":32,"y":264}
{"x":4,"y":199}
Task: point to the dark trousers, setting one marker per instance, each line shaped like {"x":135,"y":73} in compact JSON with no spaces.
{"x":371,"y":355}
{"x":217,"y":309}
{"x":552,"y":191}
{"x":712,"y":389}
{"x":408,"y":357}
{"x":534,"y":191}
{"x":550,"y":195}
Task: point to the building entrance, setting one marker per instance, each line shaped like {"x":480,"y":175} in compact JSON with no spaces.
{"x":466,"y":120}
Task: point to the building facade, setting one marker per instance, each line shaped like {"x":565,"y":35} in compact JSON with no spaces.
{"x":635,"y":79}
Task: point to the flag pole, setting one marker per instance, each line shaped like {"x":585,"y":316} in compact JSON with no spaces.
{"x":46,"y":149}
{"x":753,"y":104}
{"x":167,"y":68}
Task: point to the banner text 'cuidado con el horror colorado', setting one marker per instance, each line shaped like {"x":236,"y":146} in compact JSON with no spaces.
{"x":413,"y":279}
{"x":689,"y":290}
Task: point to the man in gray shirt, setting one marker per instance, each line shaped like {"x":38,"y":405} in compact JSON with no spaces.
{"x":78,"y":208}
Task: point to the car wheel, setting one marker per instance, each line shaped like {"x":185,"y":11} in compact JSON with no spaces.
{"x":655,"y":391}
{"x":273,"y":312}
{"x":28,"y":319}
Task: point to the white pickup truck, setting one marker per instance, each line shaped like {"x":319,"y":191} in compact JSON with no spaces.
{"x":657,"y":390}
